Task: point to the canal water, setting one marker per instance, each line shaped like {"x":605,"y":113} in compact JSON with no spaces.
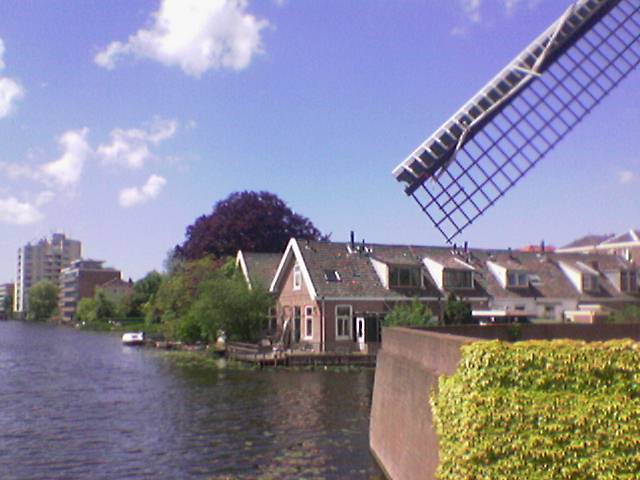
{"x":77,"y":405}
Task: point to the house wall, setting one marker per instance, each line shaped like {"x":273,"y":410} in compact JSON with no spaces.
{"x":290,"y":298}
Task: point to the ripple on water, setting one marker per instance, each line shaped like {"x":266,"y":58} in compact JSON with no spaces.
{"x":80,"y":405}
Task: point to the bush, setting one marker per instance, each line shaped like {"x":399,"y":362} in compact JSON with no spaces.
{"x":410,"y":314}
{"x":456,"y":311}
{"x":541,"y":409}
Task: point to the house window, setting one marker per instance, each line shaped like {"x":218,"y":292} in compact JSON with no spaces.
{"x":343,"y":322}
{"x":549,"y":311}
{"x":458,"y":278}
{"x":589,"y":282}
{"x":517,"y":279}
{"x":308,"y":322}
{"x":297,"y":277}
{"x":404,"y":277}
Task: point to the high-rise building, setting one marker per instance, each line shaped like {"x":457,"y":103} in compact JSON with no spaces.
{"x":42,"y":261}
{"x":79,"y":281}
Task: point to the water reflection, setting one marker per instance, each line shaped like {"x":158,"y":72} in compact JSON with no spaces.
{"x":80,"y":405}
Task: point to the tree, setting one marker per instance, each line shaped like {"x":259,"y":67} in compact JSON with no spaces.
{"x":7,"y":305}
{"x":99,"y":309}
{"x":227,"y":304}
{"x":410,"y":314}
{"x":456,"y":311}
{"x":252,"y":221}
{"x":43,"y":301}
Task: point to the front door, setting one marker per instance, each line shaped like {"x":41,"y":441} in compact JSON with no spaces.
{"x":360,"y":333}
{"x":297,"y":315}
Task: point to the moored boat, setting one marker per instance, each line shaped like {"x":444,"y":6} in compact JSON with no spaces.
{"x":133,"y":338}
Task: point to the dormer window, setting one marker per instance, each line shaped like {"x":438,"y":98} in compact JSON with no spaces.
{"x":457,"y":278}
{"x":589,"y":282}
{"x":517,"y":279}
{"x":297,"y":277}
{"x":628,"y":281}
{"x":404,"y":277}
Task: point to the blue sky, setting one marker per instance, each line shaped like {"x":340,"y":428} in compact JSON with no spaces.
{"x":121,"y":122}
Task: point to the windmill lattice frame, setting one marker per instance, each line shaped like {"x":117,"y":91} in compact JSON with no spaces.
{"x":486,"y":147}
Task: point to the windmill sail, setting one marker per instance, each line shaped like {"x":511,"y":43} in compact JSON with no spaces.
{"x":488,"y":145}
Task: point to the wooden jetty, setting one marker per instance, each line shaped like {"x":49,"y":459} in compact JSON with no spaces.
{"x":264,"y":357}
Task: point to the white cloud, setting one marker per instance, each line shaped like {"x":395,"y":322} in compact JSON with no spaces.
{"x":134,"y":196}
{"x":625,"y":177}
{"x":10,"y":90}
{"x":130,"y":148}
{"x":44,"y":197}
{"x":473,"y":9}
{"x":196,"y":35}
{"x":66,"y":171}
{"x":14,"y":212}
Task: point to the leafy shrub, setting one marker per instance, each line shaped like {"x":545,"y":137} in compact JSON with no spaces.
{"x":410,"y":314}
{"x":541,"y":410}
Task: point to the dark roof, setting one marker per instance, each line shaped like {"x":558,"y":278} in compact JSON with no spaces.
{"x":358,"y":277}
{"x":261,"y":267}
{"x":601,"y":263}
{"x":590,"y":240}
{"x":552,"y":281}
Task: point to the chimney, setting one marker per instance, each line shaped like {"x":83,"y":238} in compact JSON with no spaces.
{"x":466,"y":246}
{"x":542,"y":246}
{"x":353,"y":240}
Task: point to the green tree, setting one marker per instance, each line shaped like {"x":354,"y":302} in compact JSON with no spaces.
{"x":456,"y":311}
{"x":43,"y":301}
{"x":410,"y":314}
{"x":86,"y":311}
{"x":177,"y":292}
{"x":227,"y":304}
{"x":7,"y":306}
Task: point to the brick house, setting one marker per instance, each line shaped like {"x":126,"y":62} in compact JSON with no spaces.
{"x":332,"y":295}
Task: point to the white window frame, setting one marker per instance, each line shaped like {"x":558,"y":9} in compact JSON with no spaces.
{"x":297,"y":277}
{"x":308,"y":317}
{"x":517,"y":279}
{"x":341,"y":318}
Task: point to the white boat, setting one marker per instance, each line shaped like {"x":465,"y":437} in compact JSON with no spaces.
{"x":133,"y":338}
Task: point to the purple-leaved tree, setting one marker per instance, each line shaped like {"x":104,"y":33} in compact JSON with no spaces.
{"x":251,"y":221}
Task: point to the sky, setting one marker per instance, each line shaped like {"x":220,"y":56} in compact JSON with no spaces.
{"x":121,"y":122}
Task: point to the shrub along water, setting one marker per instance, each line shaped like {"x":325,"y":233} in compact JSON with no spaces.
{"x":541,"y":410}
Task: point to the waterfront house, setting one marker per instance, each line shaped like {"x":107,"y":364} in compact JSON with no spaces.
{"x":332,"y":295}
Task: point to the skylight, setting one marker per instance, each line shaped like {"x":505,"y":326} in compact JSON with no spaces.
{"x":332,"y":276}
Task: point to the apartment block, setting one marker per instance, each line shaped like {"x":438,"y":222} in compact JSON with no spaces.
{"x":79,"y":281}
{"x":6,"y":292}
{"x":43,"y":260}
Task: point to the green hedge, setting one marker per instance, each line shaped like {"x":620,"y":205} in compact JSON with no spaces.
{"x":541,"y":410}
